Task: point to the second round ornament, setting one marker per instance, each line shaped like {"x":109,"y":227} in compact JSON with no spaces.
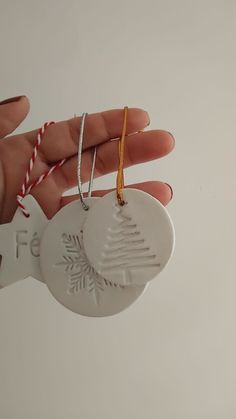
{"x":65,"y":268}
{"x":68,"y":273}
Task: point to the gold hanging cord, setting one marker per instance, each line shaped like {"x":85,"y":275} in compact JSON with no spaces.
{"x":120,"y":173}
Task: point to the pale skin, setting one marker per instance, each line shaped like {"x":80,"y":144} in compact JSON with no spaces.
{"x":61,"y":141}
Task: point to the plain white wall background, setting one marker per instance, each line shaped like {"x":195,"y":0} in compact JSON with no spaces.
{"x":172,"y":355}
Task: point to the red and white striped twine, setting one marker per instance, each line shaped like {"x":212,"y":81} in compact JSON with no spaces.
{"x":26,"y":187}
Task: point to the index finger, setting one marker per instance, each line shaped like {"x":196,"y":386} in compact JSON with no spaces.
{"x":61,"y":139}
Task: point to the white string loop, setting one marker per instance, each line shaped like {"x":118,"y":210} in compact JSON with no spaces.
{"x":80,"y":149}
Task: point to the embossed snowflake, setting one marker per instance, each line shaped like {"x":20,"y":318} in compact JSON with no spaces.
{"x":81,"y":275}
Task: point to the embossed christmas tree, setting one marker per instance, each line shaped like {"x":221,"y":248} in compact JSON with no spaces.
{"x":125,"y":249}
{"x":81,"y":275}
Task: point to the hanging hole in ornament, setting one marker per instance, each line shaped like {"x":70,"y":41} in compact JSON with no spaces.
{"x":0,"y":261}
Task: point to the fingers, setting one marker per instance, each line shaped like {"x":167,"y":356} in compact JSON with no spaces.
{"x":158,"y":190}
{"x":12,"y":112}
{"x":61,"y":139}
{"x":139,"y":148}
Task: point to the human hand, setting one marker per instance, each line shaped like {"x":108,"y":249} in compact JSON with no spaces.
{"x":61,"y":141}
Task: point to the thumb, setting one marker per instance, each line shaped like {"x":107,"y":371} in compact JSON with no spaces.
{"x":12,"y":112}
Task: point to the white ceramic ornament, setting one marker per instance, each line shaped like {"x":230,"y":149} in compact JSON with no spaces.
{"x":20,"y":243}
{"x":68,"y":273}
{"x":129,"y":244}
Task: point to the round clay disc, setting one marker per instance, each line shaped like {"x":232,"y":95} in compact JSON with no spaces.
{"x":68,"y":273}
{"x":129,"y":244}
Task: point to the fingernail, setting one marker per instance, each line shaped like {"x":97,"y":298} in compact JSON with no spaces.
{"x":172,"y":193}
{"x":11,"y":99}
{"x":171,"y":135}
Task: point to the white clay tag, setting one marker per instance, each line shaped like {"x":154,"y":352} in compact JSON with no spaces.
{"x":20,"y":243}
{"x":68,"y":273}
{"x":129,"y":244}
